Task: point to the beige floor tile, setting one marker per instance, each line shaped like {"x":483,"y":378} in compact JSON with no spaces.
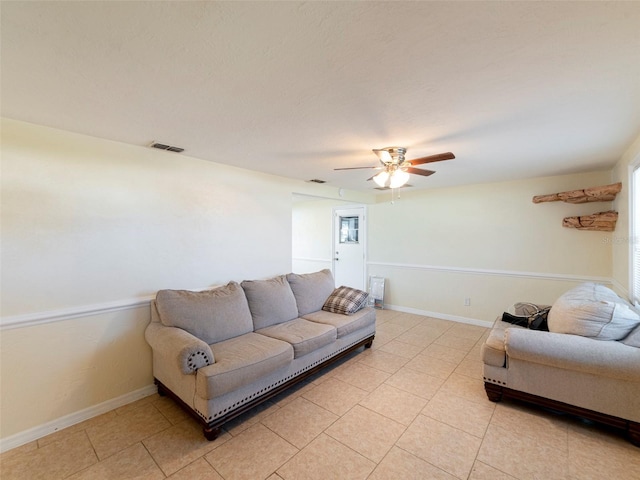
{"x":300,"y":421}
{"x":472,"y":332}
{"x":134,"y":462}
{"x":382,"y":338}
{"x":432,"y":366}
{"x":402,"y":465}
{"x":522,"y":456}
{"x":54,"y":461}
{"x":408,"y":319}
{"x":384,"y":361}
{"x":471,"y":368}
{"x":275,"y":476}
{"x":171,"y":410}
{"x":385,"y":315}
{"x":391,"y":330}
{"x":126,"y":429}
{"x":361,"y":376}
{"x":412,"y":381}
{"x":366,"y":432}
{"x":255,"y":453}
{"x":325,"y":459}
{"x":290,"y":394}
{"x":22,"y":449}
{"x":465,"y":387}
{"x":198,"y":470}
{"x":442,"y":352}
{"x":450,"y":339}
{"x":458,"y":412}
{"x":92,"y":422}
{"x":394,"y":403}
{"x":482,"y":471}
{"x":596,"y":452}
{"x":448,"y":448}
{"x":137,"y":404}
{"x":420,"y":336}
{"x":336,"y":396}
{"x":250,"y":418}
{"x":552,"y":430}
{"x":401,"y":349}
{"x":178,"y":446}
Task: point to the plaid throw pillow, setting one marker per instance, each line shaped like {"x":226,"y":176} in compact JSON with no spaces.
{"x":345,"y":300}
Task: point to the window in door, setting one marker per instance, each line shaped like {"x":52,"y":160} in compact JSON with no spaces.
{"x":349,"y":229}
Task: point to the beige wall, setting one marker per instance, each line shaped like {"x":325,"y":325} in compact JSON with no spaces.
{"x":485,"y":242}
{"x":312,"y":229}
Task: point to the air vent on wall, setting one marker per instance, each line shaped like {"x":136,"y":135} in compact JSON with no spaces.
{"x":169,"y":148}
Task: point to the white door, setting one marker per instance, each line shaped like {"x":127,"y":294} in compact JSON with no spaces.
{"x":349,"y":235}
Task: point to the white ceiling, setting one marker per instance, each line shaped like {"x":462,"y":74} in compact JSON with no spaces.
{"x":513,"y":89}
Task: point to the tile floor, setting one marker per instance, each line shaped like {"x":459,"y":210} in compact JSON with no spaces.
{"x":412,"y":407}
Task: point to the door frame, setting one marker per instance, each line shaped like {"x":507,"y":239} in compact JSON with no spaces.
{"x":364,"y":233}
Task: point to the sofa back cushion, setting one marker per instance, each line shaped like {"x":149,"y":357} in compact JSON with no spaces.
{"x":270,"y":301}
{"x":212,"y":316}
{"x":593,"y":310}
{"x":311,"y":290}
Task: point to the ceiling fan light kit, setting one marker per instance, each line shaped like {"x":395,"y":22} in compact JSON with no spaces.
{"x":396,"y":170}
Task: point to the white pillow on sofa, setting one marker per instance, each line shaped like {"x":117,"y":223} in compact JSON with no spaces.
{"x":593,"y":310}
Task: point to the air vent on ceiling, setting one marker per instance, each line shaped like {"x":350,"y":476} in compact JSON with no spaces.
{"x":315,"y":180}
{"x":169,"y":148}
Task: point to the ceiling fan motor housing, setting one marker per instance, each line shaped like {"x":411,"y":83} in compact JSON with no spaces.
{"x":393,"y":155}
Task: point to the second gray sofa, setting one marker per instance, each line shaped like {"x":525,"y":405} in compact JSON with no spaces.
{"x":220,"y":352}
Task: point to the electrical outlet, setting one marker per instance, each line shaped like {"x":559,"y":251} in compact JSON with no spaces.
{"x":467,"y":302}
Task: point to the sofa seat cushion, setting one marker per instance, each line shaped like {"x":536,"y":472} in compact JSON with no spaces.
{"x":270,"y":301}
{"x":240,"y":361}
{"x":212,"y":315}
{"x":311,"y":290}
{"x":593,"y":310}
{"x":345,"y":324}
{"x":303,"y":335}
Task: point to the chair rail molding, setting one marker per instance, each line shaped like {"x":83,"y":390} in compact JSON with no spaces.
{"x":501,"y":273}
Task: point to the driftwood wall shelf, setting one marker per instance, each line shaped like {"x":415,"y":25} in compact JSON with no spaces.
{"x":602,"y":221}
{"x":604,"y":193}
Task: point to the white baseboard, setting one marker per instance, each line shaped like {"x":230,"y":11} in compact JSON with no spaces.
{"x":74,"y":418}
{"x":443,"y":316}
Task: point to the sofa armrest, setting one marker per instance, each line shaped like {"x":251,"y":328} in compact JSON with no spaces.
{"x":572,"y":352}
{"x":190,"y":352}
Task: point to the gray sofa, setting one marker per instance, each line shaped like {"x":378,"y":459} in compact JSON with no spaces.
{"x":587,"y":365}
{"x":221,"y":352}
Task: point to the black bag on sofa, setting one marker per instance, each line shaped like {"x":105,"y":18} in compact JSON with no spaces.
{"x":537,"y":320}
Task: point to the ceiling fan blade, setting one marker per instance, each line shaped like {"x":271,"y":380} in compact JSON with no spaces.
{"x":355,"y":168}
{"x":432,"y":158}
{"x":419,"y":171}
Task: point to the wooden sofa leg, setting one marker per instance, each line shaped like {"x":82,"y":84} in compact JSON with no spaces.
{"x":369,"y":344}
{"x":633,"y":433}
{"x":211,"y":433}
{"x":494,"y":392}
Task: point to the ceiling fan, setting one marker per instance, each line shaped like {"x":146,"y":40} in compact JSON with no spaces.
{"x":395,"y":169}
